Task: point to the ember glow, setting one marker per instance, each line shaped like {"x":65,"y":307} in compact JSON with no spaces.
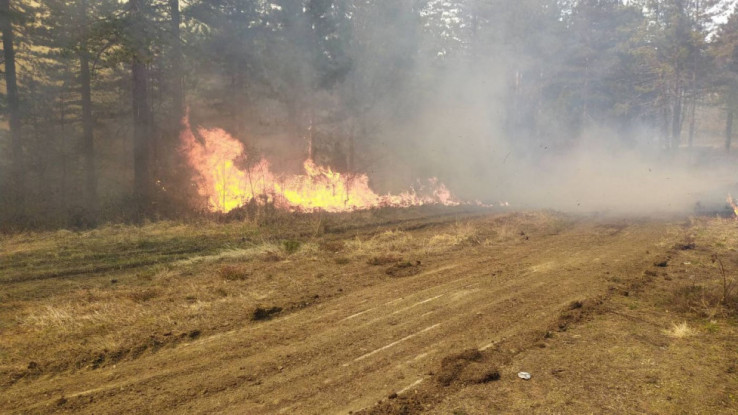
{"x":228,"y":179}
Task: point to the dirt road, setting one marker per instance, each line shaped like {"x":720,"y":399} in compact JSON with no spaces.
{"x":385,"y":337}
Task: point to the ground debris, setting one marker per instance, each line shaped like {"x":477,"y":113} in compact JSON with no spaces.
{"x":265,"y":313}
{"x":468,"y":367}
{"x":686,"y":246}
{"x":576,"y":311}
{"x":661,"y":263}
{"x":408,"y":404}
{"x":383,"y":260}
{"x":403,"y":269}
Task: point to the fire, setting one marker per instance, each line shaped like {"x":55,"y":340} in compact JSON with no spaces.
{"x":733,"y":204}
{"x":228,"y":179}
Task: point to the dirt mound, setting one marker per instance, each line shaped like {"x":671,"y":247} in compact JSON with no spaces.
{"x":467,"y":367}
{"x":403,"y":269}
{"x":383,"y":260}
{"x":265,"y":313}
{"x":399,"y":405}
{"x":577,"y":311}
{"x":96,"y":359}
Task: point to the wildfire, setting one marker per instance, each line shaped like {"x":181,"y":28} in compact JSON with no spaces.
{"x":733,"y":204}
{"x":228,"y":179}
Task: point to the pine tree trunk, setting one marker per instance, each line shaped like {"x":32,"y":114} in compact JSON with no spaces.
{"x":88,"y":139}
{"x":729,"y":130}
{"x":64,"y":155}
{"x":692,"y":119}
{"x":695,"y":68}
{"x":178,"y":95}
{"x":141,"y":123}
{"x":18,"y":168}
{"x":676,"y":117}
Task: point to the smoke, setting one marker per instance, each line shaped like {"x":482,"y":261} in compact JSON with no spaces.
{"x":403,"y":95}
{"x":454,"y":123}
{"x":459,"y":135}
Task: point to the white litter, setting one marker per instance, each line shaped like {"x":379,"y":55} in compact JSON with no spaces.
{"x":524,"y":375}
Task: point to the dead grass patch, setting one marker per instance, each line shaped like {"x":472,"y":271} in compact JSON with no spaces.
{"x":145,"y":294}
{"x":381,"y":244}
{"x":680,"y":331}
{"x":333,"y":247}
{"x":704,"y":300}
{"x":233,"y":273}
{"x":522,"y":225}
{"x":459,"y":234}
{"x":132,"y":289}
{"x":383,"y":260}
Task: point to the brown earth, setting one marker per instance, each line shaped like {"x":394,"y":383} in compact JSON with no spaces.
{"x":434,"y":316}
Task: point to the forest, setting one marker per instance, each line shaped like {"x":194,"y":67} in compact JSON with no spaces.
{"x":95,"y":92}
{"x":369,"y":207}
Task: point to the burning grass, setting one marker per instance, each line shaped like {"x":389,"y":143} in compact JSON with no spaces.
{"x":228,"y":179}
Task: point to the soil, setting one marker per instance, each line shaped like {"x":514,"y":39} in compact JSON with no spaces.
{"x":583,"y":304}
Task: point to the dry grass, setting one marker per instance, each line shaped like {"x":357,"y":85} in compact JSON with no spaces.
{"x":390,"y":241}
{"x":460,"y":234}
{"x":128,"y":290}
{"x":680,"y":331}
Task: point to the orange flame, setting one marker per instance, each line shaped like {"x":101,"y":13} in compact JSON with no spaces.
{"x":227,"y":184}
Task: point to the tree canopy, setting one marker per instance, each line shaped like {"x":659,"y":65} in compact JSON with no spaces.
{"x":94,"y":91}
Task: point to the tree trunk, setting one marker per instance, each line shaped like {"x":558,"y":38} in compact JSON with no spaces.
{"x":178,"y":96}
{"x":141,"y":123}
{"x":64,"y":155}
{"x":695,"y":66}
{"x":351,"y":157}
{"x":88,"y":139}
{"x":665,"y":127}
{"x":692,"y":118}
{"x":18,"y":168}
{"x":676,"y":116}
{"x":729,"y":130}
{"x":239,"y":102}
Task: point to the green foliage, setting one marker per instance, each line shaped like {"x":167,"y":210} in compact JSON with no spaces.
{"x":291,"y":246}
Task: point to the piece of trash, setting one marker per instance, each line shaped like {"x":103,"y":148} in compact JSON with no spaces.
{"x":524,"y":375}
{"x":687,"y":263}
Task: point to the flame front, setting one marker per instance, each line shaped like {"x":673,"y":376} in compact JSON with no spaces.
{"x":228,"y":180}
